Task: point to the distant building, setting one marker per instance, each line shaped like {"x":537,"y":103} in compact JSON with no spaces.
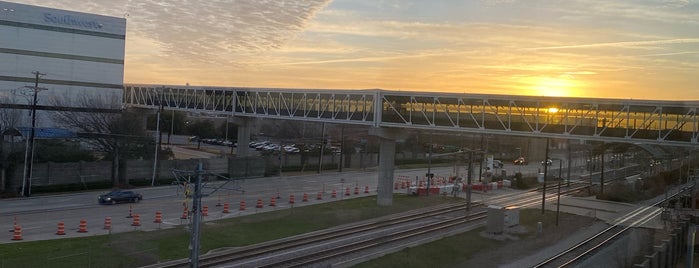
{"x":77,"y":55}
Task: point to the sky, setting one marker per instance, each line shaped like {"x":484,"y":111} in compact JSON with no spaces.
{"x":628,"y":49}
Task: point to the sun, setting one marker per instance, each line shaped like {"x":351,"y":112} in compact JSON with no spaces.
{"x":554,"y":87}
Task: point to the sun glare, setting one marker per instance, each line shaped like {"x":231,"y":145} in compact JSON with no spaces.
{"x":554,"y":87}
{"x":553,"y":110}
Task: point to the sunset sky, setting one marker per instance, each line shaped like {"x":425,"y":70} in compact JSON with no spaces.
{"x":582,"y":48}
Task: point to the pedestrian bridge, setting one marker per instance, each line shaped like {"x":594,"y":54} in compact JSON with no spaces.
{"x":612,"y":120}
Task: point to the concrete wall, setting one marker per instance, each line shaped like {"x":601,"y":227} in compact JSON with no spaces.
{"x":44,"y":174}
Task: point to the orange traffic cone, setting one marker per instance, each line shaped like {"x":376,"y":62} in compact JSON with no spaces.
{"x":184,"y":214}
{"x":158,"y":217}
{"x":17,"y":235}
{"x":395,"y":186}
{"x":107,"y":223}
{"x":366,"y":189}
{"x":225,"y":208}
{"x":291,"y":199}
{"x":259,"y":204}
{"x":242,"y":205}
{"x":205,"y":211}
{"x":136,"y":220}
{"x":356,"y":189}
{"x":305,"y":197}
{"x":273,"y":202}
{"x":61,"y":229}
{"x":82,"y":228}
{"x":320,"y":196}
{"x":334,"y":194}
{"x":347,"y":192}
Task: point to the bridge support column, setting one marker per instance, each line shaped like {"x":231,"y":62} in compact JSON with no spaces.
{"x":245,"y":125}
{"x":387,"y":156}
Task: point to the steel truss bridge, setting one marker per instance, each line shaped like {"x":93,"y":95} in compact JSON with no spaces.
{"x":612,"y":120}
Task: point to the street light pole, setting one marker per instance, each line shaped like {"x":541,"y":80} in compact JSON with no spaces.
{"x":29,"y":154}
{"x":159,"y":140}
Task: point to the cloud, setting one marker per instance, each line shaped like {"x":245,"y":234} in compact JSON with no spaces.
{"x":627,"y":44}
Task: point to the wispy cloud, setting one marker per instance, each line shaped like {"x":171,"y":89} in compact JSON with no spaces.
{"x":627,"y":44}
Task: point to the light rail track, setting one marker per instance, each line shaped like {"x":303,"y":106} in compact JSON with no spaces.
{"x":586,"y":248}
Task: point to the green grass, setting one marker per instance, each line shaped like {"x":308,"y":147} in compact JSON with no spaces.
{"x":143,"y":248}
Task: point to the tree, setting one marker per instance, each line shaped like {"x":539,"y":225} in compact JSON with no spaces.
{"x":202,"y":129}
{"x":9,"y":118}
{"x":170,"y":122}
{"x":118,"y":136}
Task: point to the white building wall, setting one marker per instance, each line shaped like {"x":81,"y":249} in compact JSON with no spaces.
{"x":78,"y":54}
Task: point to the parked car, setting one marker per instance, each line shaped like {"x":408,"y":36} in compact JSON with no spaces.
{"x":498,"y":164}
{"x":119,"y":196}
{"x":520,"y":161}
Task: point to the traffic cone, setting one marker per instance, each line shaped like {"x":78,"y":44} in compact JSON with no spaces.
{"x":82,"y":228}
{"x":17,"y":235}
{"x":305,"y":197}
{"x":347,"y":192}
{"x":259,"y":204}
{"x":158,"y":217}
{"x":320,"y":196}
{"x":356,"y":189}
{"x":291,"y":199}
{"x":136,"y":220}
{"x":184,"y":214}
{"x":366,"y":189}
{"x":395,"y":186}
{"x":334,"y":194}
{"x":242,"y":205}
{"x":130,"y":211}
{"x":107,"y":223}
{"x":225,"y":208}
{"x":273,"y":202}
{"x":205,"y":211}
{"x":61,"y":229}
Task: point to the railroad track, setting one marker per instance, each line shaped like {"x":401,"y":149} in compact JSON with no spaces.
{"x":586,"y":248}
{"x":364,"y":236}
{"x":262,"y":249}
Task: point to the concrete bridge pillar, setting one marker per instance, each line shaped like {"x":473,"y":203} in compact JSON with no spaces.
{"x":387,"y":156}
{"x":245,"y":125}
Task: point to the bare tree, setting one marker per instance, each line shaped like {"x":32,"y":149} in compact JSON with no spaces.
{"x":117,"y":135}
{"x":9,"y":118}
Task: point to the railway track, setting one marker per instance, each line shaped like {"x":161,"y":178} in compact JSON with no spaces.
{"x":317,"y":247}
{"x":588,"y":247}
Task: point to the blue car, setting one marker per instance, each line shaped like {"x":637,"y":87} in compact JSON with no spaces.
{"x":119,"y":196}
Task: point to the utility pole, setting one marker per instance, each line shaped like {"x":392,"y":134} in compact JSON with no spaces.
{"x":546,"y":166}
{"x":29,"y":153}
{"x":196,"y":219}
